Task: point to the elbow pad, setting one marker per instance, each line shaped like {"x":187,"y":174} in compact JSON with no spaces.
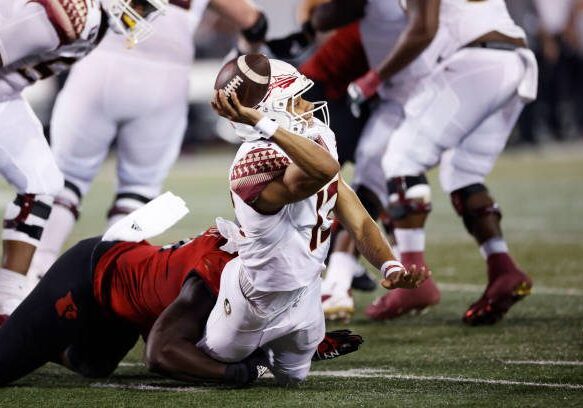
{"x":256,"y":33}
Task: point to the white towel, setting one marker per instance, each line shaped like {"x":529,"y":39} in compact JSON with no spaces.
{"x":528,"y":87}
{"x":148,"y":221}
{"x":230,"y":231}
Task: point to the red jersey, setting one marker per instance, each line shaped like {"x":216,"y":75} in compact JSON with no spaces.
{"x":137,"y":281}
{"x":339,"y":61}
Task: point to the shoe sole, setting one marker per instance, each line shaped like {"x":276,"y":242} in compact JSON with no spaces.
{"x":339,"y":313}
{"x":501,"y":307}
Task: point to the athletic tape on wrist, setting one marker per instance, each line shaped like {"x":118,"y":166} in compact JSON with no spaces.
{"x":391,"y":266}
{"x":266,"y":127}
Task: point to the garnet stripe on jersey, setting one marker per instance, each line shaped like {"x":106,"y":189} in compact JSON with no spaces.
{"x":252,"y":173}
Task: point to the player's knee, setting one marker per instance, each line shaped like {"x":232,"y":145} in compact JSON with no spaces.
{"x":26,"y":217}
{"x":293,"y":377}
{"x":124,"y":204}
{"x":370,"y":201}
{"x":474,"y":203}
{"x":408,"y":195}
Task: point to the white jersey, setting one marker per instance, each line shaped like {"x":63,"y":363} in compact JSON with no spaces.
{"x":172,"y":40}
{"x":283,"y":251}
{"x":37,"y":42}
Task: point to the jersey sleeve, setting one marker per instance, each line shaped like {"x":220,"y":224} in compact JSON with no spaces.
{"x":255,"y":169}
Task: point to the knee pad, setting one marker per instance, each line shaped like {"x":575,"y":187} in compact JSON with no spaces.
{"x":460,"y":198}
{"x":26,"y":217}
{"x":124,"y":204}
{"x":69,"y":198}
{"x":370,"y":201}
{"x":408,"y":195}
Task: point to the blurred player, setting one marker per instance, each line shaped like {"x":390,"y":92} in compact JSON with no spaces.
{"x":100,"y":296}
{"x":460,"y":114}
{"x":284,"y":185}
{"x":39,"y":39}
{"x":137,"y":97}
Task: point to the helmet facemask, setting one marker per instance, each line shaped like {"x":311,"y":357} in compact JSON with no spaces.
{"x":132,"y":18}
{"x":287,"y":85}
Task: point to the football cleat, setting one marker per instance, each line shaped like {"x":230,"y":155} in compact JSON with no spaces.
{"x":337,"y":343}
{"x":364,"y":283}
{"x":398,"y":302}
{"x":498,"y":298}
{"x":338,"y":306}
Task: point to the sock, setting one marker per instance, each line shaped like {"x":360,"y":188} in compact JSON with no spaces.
{"x":411,"y":245}
{"x":14,"y":288}
{"x":57,"y":230}
{"x":340,"y":271}
{"x":494,"y":245}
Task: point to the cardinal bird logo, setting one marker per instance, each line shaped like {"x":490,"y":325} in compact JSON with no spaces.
{"x":66,"y":307}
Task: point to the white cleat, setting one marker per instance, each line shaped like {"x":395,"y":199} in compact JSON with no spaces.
{"x":338,"y":306}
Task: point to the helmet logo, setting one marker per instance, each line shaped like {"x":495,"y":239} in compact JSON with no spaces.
{"x":280,"y":81}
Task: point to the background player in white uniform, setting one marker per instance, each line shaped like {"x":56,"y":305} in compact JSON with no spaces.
{"x":284,"y":189}
{"x":39,"y":39}
{"x":139,"y":97}
{"x":461,"y":115}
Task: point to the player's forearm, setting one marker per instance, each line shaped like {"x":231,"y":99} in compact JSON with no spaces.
{"x":336,"y":13}
{"x":422,"y":27}
{"x":244,"y":13}
{"x":313,"y":159}
{"x":373,"y":245}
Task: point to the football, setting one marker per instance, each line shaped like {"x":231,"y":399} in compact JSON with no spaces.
{"x":248,"y":76}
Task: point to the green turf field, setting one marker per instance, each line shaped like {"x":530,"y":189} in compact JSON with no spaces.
{"x":532,"y":358}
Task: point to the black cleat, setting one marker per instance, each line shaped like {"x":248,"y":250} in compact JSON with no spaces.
{"x":364,"y":283}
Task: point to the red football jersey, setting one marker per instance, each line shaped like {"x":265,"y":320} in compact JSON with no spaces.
{"x":339,"y":60}
{"x":137,"y":281}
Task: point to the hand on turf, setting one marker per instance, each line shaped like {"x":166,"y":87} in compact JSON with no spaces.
{"x":228,"y":106}
{"x":337,"y":343}
{"x":406,"y":278}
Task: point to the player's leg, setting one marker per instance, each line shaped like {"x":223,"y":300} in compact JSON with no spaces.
{"x":290,"y":349}
{"x":53,"y":316}
{"x":462,"y":173}
{"x":147,"y":148}
{"x":447,"y":108}
{"x":81,"y":132}
{"x":27,"y":163}
{"x":369,"y":185}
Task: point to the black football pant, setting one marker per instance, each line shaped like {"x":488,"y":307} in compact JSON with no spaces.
{"x":61,"y":315}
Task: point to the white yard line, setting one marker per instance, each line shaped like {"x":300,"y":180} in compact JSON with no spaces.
{"x":536,"y":290}
{"x":371,"y":373}
{"x":124,"y":364}
{"x":365,"y":373}
{"x":544,"y":362}
{"x":148,"y":387}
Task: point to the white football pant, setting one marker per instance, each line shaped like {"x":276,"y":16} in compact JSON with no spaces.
{"x":289,"y":326}
{"x":468,"y":108}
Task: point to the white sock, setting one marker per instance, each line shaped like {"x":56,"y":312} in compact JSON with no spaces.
{"x":14,"y":288}
{"x":496,"y":245}
{"x":410,"y":239}
{"x":340,"y":271}
{"x":57,"y":230}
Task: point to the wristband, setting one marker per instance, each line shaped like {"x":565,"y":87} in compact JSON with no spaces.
{"x":391,"y":266}
{"x":266,"y":127}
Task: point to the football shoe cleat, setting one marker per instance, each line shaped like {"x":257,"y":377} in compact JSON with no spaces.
{"x":338,"y":306}
{"x":337,"y":343}
{"x":499,"y":296}
{"x":364,"y":282}
{"x":398,"y":302}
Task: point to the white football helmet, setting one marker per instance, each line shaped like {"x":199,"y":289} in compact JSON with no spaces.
{"x":132,"y":18}
{"x":286,"y":84}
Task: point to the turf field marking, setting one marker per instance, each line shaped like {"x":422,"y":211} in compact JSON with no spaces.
{"x":374,"y":373}
{"x":124,"y":364}
{"x":544,"y":362}
{"x":148,"y":387}
{"x":536,"y":290}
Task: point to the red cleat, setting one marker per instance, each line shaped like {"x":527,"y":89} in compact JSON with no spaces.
{"x":398,"y":302}
{"x":503,"y":290}
{"x":3,"y":318}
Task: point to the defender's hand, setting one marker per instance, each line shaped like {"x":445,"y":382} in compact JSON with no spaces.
{"x":228,"y":106}
{"x":397,"y":276}
{"x":337,"y":343}
{"x":364,"y":87}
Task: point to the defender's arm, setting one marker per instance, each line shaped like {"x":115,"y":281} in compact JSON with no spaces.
{"x":171,"y":347}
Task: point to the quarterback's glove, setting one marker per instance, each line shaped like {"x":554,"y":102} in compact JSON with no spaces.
{"x":363,"y":89}
{"x":337,"y":343}
{"x":294,"y":44}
